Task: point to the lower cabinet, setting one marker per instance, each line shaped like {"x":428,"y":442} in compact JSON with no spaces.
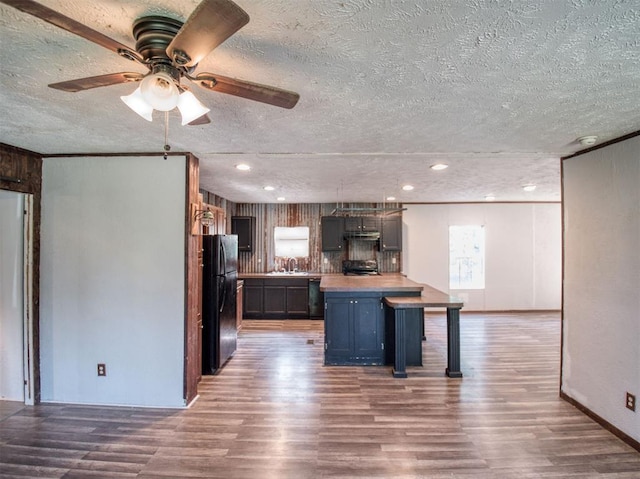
{"x":298,"y":299}
{"x":359,"y":330}
{"x":354,"y":330}
{"x":276,"y":298}
{"x":253,"y":298}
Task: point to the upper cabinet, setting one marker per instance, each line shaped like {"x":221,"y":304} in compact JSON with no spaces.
{"x":245,"y":228}
{"x":336,"y":228}
{"x":391,"y":234}
{"x":332,"y":228}
{"x":361,"y":224}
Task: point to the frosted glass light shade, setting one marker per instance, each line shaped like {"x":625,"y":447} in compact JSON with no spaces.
{"x":190,"y":107}
{"x":138,"y":104}
{"x":160,"y":91}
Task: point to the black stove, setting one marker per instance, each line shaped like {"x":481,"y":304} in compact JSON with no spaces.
{"x":360,"y":267}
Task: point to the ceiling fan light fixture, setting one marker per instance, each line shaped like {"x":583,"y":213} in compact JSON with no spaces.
{"x":160,"y":91}
{"x":190,"y":107}
{"x":136,"y":102}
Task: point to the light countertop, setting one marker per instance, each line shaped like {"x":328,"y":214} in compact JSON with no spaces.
{"x":382,"y":283}
{"x":283,"y":275}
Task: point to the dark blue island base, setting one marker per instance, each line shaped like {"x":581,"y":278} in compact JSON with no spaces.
{"x":357,"y":328}
{"x":360,"y":331}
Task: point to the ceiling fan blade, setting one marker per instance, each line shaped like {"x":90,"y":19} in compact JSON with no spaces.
{"x":70,"y":25}
{"x":252,"y":91}
{"x":203,"y":120}
{"x":210,"y":24}
{"x":97,"y":81}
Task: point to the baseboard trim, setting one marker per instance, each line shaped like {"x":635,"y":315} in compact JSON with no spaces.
{"x":499,"y":311}
{"x":605,"y":424}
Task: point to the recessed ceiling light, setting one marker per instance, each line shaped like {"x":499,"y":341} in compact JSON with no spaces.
{"x":407,"y":187}
{"x":280,"y":198}
{"x":269,"y":188}
{"x":588,"y":140}
{"x":439,"y":166}
{"x":243,"y":167}
{"x":529,"y":187}
{"x":391,"y":198}
{"x":489,"y":198}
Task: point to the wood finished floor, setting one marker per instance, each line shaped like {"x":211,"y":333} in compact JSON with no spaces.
{"x":276,"y":412}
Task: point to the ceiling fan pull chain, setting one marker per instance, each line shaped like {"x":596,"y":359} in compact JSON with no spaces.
{"x":166,"y":134}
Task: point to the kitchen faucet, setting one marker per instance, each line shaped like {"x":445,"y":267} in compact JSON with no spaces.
{"x":295,"y":265}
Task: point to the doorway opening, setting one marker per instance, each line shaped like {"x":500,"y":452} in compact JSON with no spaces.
{"x":16,"y":297}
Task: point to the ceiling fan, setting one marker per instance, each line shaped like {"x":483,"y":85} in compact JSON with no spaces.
{"x":170,"y":50}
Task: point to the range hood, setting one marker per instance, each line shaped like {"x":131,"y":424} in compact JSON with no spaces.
{"x":362,"y":235}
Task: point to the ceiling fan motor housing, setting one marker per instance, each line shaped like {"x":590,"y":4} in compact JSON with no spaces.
{"x":153,"y":35}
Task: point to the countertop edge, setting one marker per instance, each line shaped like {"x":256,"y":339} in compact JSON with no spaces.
{"x":382,"y":284}
{"x":279,"y":276}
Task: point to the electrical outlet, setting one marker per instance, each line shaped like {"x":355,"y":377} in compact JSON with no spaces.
{"x":102,"y":369}
{"x":393,"y":260}
{"x":631,"y":402}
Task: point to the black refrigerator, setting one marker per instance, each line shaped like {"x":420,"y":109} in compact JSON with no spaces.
{"x":220,"y":276}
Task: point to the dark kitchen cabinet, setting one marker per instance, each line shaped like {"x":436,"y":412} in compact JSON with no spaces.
{"x":245,"y":228}
{"x":253,"y":298}
{"x":354,"y":330}
{"x":276,"y":298}
{"x":361,"y":224}
{"x":338,"y":340}
{"x":332,"y":230}
{"x":298,"y":299}
{"x":391,"y":234}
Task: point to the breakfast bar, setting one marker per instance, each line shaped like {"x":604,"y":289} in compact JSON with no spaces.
{"x":429,"y":298}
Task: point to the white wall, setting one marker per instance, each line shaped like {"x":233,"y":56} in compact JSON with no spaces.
{"x":112,"y":280}
{"x":601,"y":318}
{"x":523,"y":252}
{"x":11,"y":296}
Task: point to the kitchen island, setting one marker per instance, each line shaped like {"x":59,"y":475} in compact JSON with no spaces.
{"x":357,"y":331}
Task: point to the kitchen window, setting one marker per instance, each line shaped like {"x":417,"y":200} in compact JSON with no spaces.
{"x":466,"y":257}
{"x":291,"y":242}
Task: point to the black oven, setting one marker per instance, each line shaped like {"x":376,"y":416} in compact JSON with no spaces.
{"x":360,"y":267}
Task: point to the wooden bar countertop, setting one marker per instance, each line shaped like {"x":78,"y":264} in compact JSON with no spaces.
{"x":336,"y":283}
{"x":430,"y":298}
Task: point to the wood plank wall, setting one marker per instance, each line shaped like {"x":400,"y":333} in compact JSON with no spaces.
{"x":21,"y":171}
{"x":193,"y":302}
{"x":270,"y":215}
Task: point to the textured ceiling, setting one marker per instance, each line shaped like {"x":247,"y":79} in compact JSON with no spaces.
{"x":499,"y":90}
